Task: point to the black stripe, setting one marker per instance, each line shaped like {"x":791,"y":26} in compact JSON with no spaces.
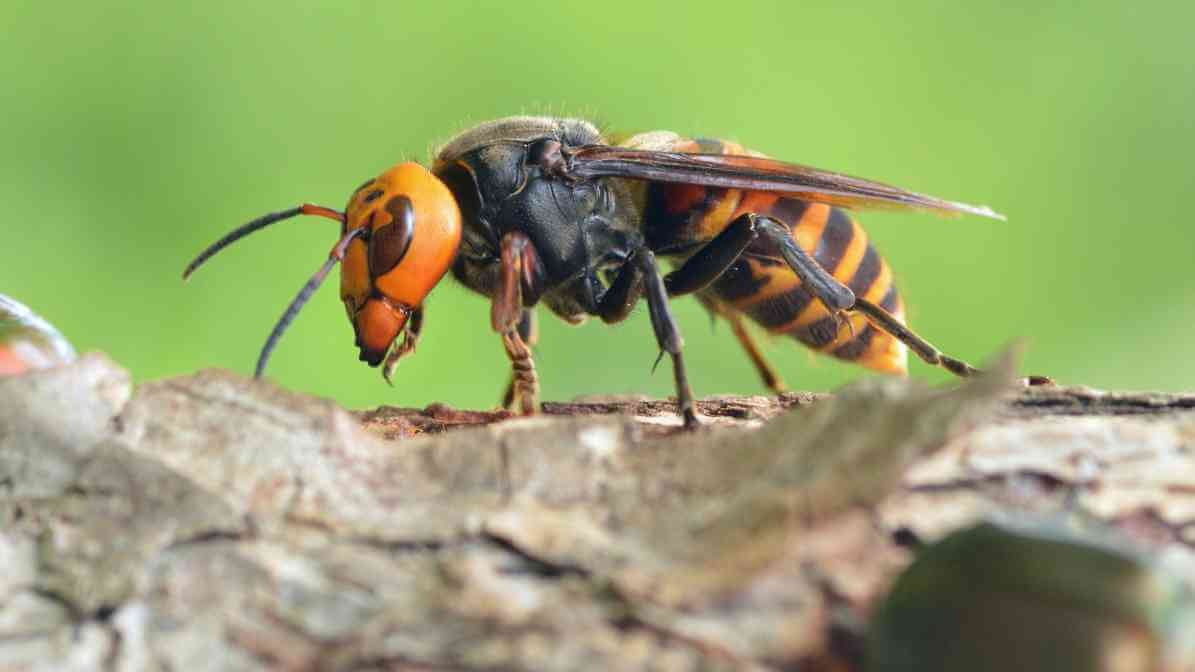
{"x":836,"y":237}
{"x":660,"y":225}
{"x":781,"y":309}
{"x":817,"y":334}
{"x":868,"y":271}
{"x":789,"y":211}
{"x":712,"y":199}
{"x":890,"y":299}
{"x":738,"y":282}
{"x":854,"y":348}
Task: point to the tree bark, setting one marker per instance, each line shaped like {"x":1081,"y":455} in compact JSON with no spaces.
{"x":216,"y":522}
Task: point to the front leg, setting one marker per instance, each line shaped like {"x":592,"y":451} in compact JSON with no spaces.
{"x":620,"y":297}
{"x":529,"y":333}
{"x":524,"y":384}
{"x":519,"y":274}
{"x":410,"y":338}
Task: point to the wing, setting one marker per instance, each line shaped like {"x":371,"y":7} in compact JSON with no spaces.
{"x":756,"y":173}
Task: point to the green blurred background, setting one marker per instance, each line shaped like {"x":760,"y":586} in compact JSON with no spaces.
{"x":134,"y":134}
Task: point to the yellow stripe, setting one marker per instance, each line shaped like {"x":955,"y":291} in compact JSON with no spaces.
{"x":715,"y":221}
{"x":874,"y":294}
{"x":808,"y":229}
{"x":852,"y":255}
{"x":808,"y":315}
{"x":885,"y":354}
{"x":879,"y":287}
{"x":729,"y":147}
{"x":780,"y":280}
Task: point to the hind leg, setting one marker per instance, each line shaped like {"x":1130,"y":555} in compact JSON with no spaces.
{"x":886,"y":322}
{"x":738,"y":327}
{"x":712,"y":260}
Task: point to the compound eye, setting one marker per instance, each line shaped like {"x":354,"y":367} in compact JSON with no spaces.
{"x":389,"y":244}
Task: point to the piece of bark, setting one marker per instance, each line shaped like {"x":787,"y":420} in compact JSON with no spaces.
{"x":215,"y":522}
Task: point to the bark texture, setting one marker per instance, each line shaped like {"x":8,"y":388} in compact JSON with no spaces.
{"x":215,"y":522}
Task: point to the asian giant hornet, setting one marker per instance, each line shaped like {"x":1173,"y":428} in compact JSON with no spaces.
{"x":530,"y":209}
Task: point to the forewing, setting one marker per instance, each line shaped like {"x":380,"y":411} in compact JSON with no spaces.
{"x":757,"y":174}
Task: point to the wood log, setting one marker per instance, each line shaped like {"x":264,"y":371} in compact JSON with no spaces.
{"x":217,"y":522}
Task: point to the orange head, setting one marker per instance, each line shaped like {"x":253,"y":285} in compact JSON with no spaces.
{"x":399,"y":235}
{"x":414,"y":228}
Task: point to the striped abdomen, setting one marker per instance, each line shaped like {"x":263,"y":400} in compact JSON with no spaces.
{"x":761,"y":285}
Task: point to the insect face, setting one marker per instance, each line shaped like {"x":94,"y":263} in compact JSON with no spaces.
{"x":411,"y":228}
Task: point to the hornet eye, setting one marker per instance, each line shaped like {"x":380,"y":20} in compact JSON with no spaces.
{"x":388,"y":244}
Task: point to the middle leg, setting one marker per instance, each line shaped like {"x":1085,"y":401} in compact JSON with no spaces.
{"x":666,"y":330}
{"x":886,"y":322}
{"x":707,"y":265}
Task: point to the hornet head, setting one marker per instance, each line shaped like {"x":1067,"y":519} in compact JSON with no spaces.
{"x":398,"y":236}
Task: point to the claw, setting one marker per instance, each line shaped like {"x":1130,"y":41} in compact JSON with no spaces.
{"x":842,"y":317}
{"x":406,"y":347}
{"x":1037,"y":381}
